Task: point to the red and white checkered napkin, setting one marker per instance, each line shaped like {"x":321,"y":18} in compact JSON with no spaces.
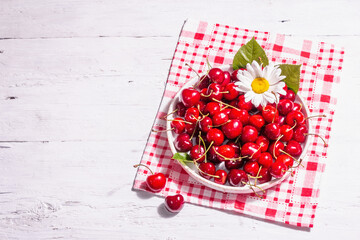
{"x":295,"y":200}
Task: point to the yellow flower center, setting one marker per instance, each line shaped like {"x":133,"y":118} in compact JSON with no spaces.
{"x":260,"y":85}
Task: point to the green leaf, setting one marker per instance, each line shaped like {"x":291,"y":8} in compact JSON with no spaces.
{"x":182,"y":157}
{"x":248,"y":53}
{"x":292,"y":73}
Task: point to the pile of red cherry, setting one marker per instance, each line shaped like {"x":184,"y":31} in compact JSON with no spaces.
{"x":215,"y":125}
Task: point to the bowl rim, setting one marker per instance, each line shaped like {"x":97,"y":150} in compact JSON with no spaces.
{"x":227,"y":188}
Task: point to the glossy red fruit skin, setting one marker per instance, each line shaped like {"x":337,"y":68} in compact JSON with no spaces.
{"x":234,"y":164}
{"x":294,"y":117}
{"x":265,"y":159}
{"x":287,"y":160}
{"x":287,"y":133}
{"x":265,"y":176}
{"x":235,"y":146}
{"x":220,"y":118}
{"x":227,"y":78}
{"x":232,"y":129}
{"x":181,"y":109}
{"x":212,"y":108}
{"x":190,"y":128}
{"x":212,"y":155}
{"x":290,"y":95}
{"x":281,"y":120}
{"x":272,"y":131}
{"x":270,"y":114}
{"x":216,"y":136}
{"x":297,"y":107}
{"x":174,"y":203}
{"x":206,"y":169}
{"x":216,"y":75}
{"x":205,"y":124}
{"x":299,"y":133}
{"x":178,"y":125}
{"x":201,"y":105}
{"x":234,"y":75}
{"x":156,"y":182}
{"x":257,"y":121}
{"x":263,"y":142}
{"x":241,"y":114}
{"x":222,"y":177}
{"x":285,"y":106}
{"x":192,"y":115}
{"x":251,"y":150}
{"x":278,"y":169}
{"x":189,"y":97}
{"x":225,"y":152}
{"x":293,"y":148}
{"x":183,"y":143}
{"x":249,"y":134}
{"x":232,"y":92}
{"x":236,"y":177}
{"x":274,"y":149}
{"x":248,"y":106}
{"x":204,"y":82}
{"x":197,"y":153}
{"x":285,"y":88}
{"x":214,"y":92}
{"x":203,"y":95}
{"x":251,"y":167}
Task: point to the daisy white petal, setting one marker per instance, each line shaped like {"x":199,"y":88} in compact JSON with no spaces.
{"x":256,"y":100}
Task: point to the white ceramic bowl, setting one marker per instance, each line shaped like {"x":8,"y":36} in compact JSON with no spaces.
{"x":192,"y":170}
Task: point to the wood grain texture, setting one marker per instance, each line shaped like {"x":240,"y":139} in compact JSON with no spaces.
{"x":80,"y":84}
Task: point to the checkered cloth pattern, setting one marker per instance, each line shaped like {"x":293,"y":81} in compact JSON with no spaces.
{"x":295,"y":200}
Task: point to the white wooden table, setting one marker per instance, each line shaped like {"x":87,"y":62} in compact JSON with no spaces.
{"x":80,"y":84}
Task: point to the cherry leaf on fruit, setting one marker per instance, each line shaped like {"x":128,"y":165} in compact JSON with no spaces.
{"x":292,"y":73}
{"x":182,"y":157}
{"x":248,"y":53}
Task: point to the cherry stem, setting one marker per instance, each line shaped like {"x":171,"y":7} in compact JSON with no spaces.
{"x":255,"y":152}
{"x":237,"y":139}
{"x":222,"y":123}
{"x":214,"y":176}
{"x":204,"y":154}
{"x":179,"y":120}
{"x":277,"y":140}
{"x":261,"y":61}
{"x":292,"y":157}
{"x":164,"y":117}
{"x":251,"y":187}
{"x":186,"y":64}
{"x":165,"y":130}
{"x":224,"y":92}
{"x":257,"y":175}
{"x":228,"y":105}
{"x":142,"y":165}
{"x":314,"y":134}
{"x":208,"y":64}
{"x":291,"y":127}
{"x":202,"y":79}
{"x":319,"y":116}
{"x":226,"y":158}
{"x":211,"y":91}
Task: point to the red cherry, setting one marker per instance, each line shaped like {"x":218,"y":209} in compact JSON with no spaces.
{"x":270,"y":114}
{"x":181,"y":109}
{"x":293,"y":148}
{"x":272,"y":131}
{"x":241,"y":114}
{"x":203,"y":95}
{"x":225,"y":152}
{"x":278,"y":169}
{"x":183,"y":143}
{"x":197,"y":153}
{"x":216,"y":75}
{"x":212,"y":108}
{"x":216,"y":136}
{"x":251,"y":167}
{"x":281,"y":120}
{"x":297,"y":107}
{"x":290,"y":95}
{"x":230,"y":92}
{"x":234,"y":164}
{"x":285,"y":88}
{"x":227,"y":111}
{"x":234,"y":77}
{"x":251,"y":151}
{"x":257,"y":121}
{"x":286,"y":159}
{"x":156,"y":181}
{"x":192,"y":115}
{"x":220,"y":118}
{"x":244,"y":105}
{"x":201,"y":105}
{"x":265,"y":159}
{"x":285,"y":106}
{"x":206,"y":169}
{"x":275,"y":149}
{"x":294,"y":117}
{"x":189,"y":97}
{"x":222,"y":177}
{"x":249,"y":134}
{"x":263,"y":142}
{"x":212,"y":155}
{"x":235,"y":146}
{"x":190,"y":128}
{"x":287,"y":133}
{"x":299,"y":133}
{"x":174,"y":203}
{"x":214,"y":92}
{"x":232,"y":129}
{"x":177,"y":125}
{"x":205,"y":124}
{"x":265,"y":176}
{"x":237,"y":177}
{"x":227,"y":78}
{"x":204,"y":82}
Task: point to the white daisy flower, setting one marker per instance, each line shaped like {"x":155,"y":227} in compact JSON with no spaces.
{"x":260,"y":85}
